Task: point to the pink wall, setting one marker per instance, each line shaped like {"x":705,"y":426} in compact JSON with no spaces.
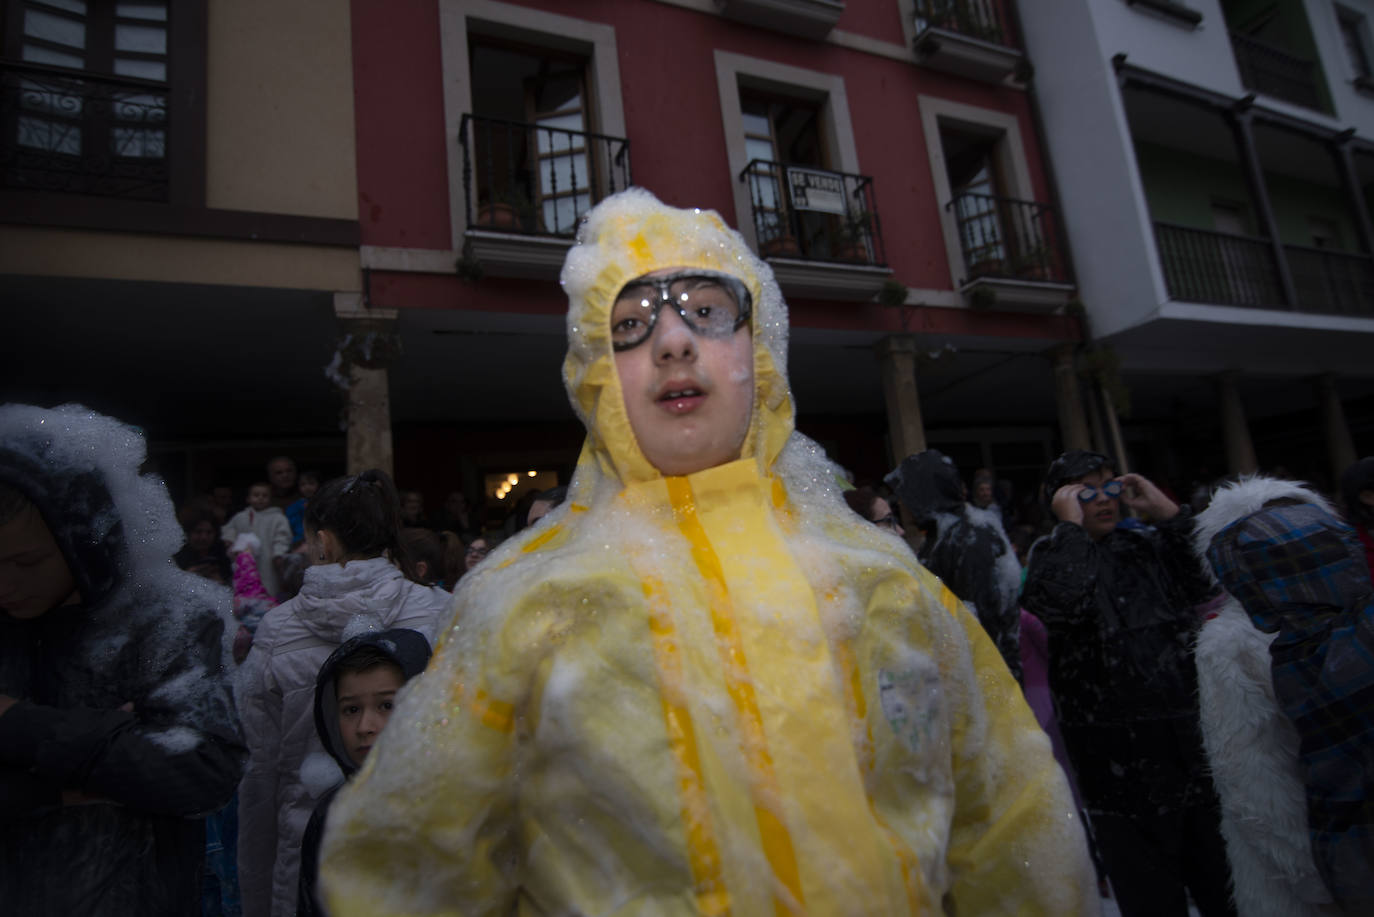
{"x":677,"y":141}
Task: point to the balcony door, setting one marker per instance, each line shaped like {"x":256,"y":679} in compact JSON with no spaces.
{"x":531,"y":137}
{"x":975,"y":186}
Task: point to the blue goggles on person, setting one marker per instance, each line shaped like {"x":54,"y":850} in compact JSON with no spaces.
{"x":1089,"y":494}
{"x":710,"y":303}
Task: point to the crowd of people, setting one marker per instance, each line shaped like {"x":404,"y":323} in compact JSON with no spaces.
{"x":709,"y":676}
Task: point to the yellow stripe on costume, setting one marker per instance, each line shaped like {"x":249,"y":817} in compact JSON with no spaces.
{"x":777,"y":841}
{"x":497,"y":714}
{"x":912,"y":879}
{"x":703,"y":853}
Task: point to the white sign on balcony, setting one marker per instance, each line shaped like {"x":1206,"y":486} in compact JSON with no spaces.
{"x":814,"y":189}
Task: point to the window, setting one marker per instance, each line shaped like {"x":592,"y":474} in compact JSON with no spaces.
{"x":87,"y":88}
{"x":531,"y":119}
{"x":556,"y":79}
{"x":1353,"y":35}
{"x":992,"y":224}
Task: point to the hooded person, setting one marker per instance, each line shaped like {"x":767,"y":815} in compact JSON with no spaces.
{"x":703,"y":684}
{"x":1286,"y":673}
{"x":358,"y":583}
{"x":356,"y":690}
{"x":966,"y":546}
{"x":117,"y":725}
{"x":1118,"y":603}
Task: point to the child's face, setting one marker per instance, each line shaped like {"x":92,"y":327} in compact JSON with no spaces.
{"x":34,"y":576}
{"x":202,"y":536}
{"x":308,"y":486}
{"x":365,"y":700}
{"x":259,"y":497}
{"x":689,"y":397}
{"x":1101,"y":515}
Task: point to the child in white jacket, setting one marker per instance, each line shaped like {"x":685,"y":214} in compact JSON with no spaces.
{"x":273,"y":532}
{"x":361,"y":580}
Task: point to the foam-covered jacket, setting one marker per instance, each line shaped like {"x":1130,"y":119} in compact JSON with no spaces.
{"x":1303,"y":632}
{"x":966,"y":547}
{"x":143,"y":634}
{"x":277,"y":700}
{"x":717,"y":693}
{"x":1120,"y":616}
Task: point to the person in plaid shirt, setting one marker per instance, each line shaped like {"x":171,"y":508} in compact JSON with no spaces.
{"x":1300,"y":573}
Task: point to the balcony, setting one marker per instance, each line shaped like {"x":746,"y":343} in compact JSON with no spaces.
{"x":1274,"y":72}
{"x":818,"y":229}
{"x":1230,"y":270}
{"x":811,"y":19}
{"x":69,"y":131}
{"x":968,"y":38}
{"x":526,"y":187}
{"x":1013,"y":251}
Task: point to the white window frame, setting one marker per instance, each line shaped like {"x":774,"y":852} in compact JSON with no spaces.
{"x":1360,"y":22}
{"x":521,"y":23}
{"x":736,"y":71}
{"x":1011,"y":161}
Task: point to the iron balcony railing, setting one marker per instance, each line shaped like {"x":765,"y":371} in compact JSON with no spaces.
{"x":65,"y":130}
{"x":982,"y":19}
{"x":536,"y":178}
{"x":1273,"y":71}
{"x":1331,"y":282}
{"x":1216,"y":267}
{"x":1008,"y":239}
{"x":814,"y":214}
{"x":1230,"y":270}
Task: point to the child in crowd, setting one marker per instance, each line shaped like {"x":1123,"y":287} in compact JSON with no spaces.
{"x":354,"y":695}
{"x":251,"y":599}
{"x":427,"y":553}
{"x":266,"y":522}
{"x":307,"y":484}
{"x":204,"y":554}
{"x":117,"y":728}
{"x":703,"y":684}
{"x":361,"y":580}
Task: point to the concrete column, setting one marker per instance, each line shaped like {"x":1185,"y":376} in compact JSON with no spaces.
{"x":367,"y":345}
{"x":897,"y":359}
{"x":1340,"y":448}
{"x":1240,"y":451}
{"x":1068,"y":398}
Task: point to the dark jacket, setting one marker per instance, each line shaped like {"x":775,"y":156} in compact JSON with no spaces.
{"x":1300,"y":573}
{"x":143,"y":633}
{"x":965,"y":546}
{"x":1120,"y":615}
{"x":410,"y":651}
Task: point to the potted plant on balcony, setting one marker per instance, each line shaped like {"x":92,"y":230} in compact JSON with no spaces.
{"x":776,"y":239}
{"x":511,"y":210}
{"x":851,"y":242}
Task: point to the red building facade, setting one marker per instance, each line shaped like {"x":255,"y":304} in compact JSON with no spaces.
{"x":882,"y":157}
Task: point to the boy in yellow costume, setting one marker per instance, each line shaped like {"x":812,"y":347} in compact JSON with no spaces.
{"x":703,"y":685}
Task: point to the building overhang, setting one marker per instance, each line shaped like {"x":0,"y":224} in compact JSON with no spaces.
{"x":503,"y":254}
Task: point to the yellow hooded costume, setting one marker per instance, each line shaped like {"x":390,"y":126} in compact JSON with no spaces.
{"x":723,"y":693}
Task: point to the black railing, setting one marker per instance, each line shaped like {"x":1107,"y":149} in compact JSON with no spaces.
{"x":1331,"y":282}
{"x":983,"y":19}
{"x":814,"y":214}
{"x":64,"y":130}
{"x":537,"y":179}
{"x":1009,"y":239}
{"x":1273,"y":71}
{"x":1216,"y":267}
